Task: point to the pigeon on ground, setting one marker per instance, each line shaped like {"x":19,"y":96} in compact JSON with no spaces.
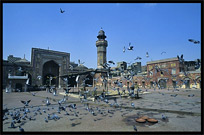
{"x":47,"y":101}
{"x":135,"y":128}
{"x":46,"y":120}
{"x":164,"y":117}
{"x":21,"y":129}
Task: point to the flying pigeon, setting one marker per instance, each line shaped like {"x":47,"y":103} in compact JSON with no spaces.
{"x":138,"y":58}
{"x":163,"y":52}
{"x":25,"y":102}
{"x":180,"y":58}
{"x":123,"y":49}
{"x":62,"y":11}
{"x":194,"y":41}
{"x":27,"y":82}
{"x":191,"y":40}
{"x":147,"y":54}
{"x":130,"y":47}
{"x":80,"y":63}
{"x":111,"y":62}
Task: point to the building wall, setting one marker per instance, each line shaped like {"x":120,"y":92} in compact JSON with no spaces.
{"x":41,"y":56}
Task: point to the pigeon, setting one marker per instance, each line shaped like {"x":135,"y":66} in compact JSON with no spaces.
{"x":5,"y":117}
{"x":130,"y":47}
{"x":66,"y":113}
{"x":123,"y":49}
{"x":180,"y":58}
{"x":33,"y":94}
{"x":25,"y":102}
{"x":54,"y":93}
{"x":106,"y":101}
{"x":194,"y":41}
{"x":39,"y":77}
{"x":73,"y":106}
{"x":192,"y":95}
{"x":164,"y":117}
{"x":13,"y":124}
{"x":162,"y":52}
{"x":111,"y":62}
{"x":7,"y":90}
{"x":27,"y":82}
{"x":67,"y":90}
{"x":47,"y":101}
{"x":62,"y":11}
{"x":46,"y":120}
{"x":174,"y":95}
{"x":191,"y":40}
{"x":197,"y":64}
{"x":138,"y":58}
{"x":44,"y":111}
{"x":132,"y":104}
{"x":80,"y":63}
{"x":147,"y":54}
{"x":135,"y":128}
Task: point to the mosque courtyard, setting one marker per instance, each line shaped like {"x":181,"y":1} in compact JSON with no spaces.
{"x":181,"y":108}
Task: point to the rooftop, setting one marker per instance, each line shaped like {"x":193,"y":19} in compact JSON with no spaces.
{"x":164,"y":60}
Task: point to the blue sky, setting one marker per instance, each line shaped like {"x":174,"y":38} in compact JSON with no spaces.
{"x":150,"y":27}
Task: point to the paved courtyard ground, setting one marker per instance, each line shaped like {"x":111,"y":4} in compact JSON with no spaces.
{"x":183,"y":112}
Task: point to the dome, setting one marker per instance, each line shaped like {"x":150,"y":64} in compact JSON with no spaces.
{"x":22,"y":61}
{"x":101,"y":34}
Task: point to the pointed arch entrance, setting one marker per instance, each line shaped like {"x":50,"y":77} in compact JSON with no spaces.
{"x":50,"y":69}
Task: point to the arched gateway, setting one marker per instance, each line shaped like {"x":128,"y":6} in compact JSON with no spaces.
{"x":49,"y":63}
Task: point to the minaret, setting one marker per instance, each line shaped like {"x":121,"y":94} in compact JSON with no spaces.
{"x":101,"y":45}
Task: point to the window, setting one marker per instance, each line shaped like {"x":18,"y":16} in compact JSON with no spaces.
{"x":173,"y":71}
{"x":163,"y":65}
{"x":150,"y":67}
{"x":173,"y":64}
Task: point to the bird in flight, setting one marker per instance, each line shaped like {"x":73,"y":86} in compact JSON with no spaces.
{"x":138,"y":58}
{"x":147,"y":54}
{"x":62,"y":11}
{"x":80,"y":63}
{"x":123,"y":49}
{"x":180,"y":58}
{"x":163,"y":52}
{"x":25,"y":102}
{"x":111,"y":62}
{"x":130,"y":47}
{"x":194,"y":41}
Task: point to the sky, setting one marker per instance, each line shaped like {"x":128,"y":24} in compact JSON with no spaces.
{"x":150,"y":27}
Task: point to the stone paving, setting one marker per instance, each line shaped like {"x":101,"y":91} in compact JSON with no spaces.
{"x":183,"y":112}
